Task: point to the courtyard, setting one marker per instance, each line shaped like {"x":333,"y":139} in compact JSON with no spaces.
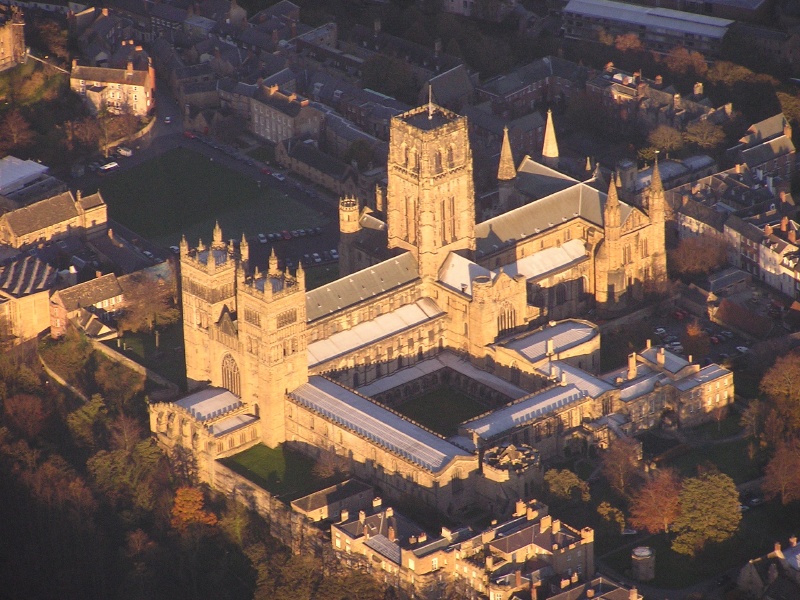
{"x":442,"y":410}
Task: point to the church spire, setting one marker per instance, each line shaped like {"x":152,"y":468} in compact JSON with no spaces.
{"x":611,"y":212}
{"x":216,"y":241}
{"x":550,"y":146}
{"x":244,"y":249}
{"x":273,"y":263}
{"x":656,"y":185}
{"x":506,"y":171}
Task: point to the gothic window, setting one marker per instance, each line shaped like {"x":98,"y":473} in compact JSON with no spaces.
{"x":286,"y":318}
{"x":626,"y":254}
{"x":230,"y":375}
{"x":645,"y":249}
{"x":561,"y":294}
{"x":457,"y":482}
{"x":437,"y":162}
{"x":450,"y":158}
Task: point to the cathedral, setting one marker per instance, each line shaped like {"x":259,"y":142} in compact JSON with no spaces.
{"x":428,"y":298}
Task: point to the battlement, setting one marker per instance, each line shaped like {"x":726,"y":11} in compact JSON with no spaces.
{"x":429,"y":117}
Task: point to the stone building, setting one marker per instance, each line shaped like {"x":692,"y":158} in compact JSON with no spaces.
{"x":447,"y":302}
{"x":276,"y":116}
{"x":124,"y":90}
{"x":12,"y":37}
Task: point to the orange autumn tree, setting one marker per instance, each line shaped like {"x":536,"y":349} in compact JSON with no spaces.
{"x":188,"y":510}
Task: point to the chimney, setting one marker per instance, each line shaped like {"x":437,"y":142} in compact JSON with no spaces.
{"x":574,"y":578}
{"x":422,"y":537}
{"x":74,"y":62}
{"x":784,"y":223}
{"x":563,"y":382}
{"x":782,"y":195}
{"x":660,"y":356}
{"x":631,"y":366}
{"x":105,"y":12}
{"x":362,"y":517}
{"x":767,"y":229}
{"x":634,"y":594}
{"x":792,"y":236}
{"x":345,"y":515}
{"x":545,"y":523}
{"x":589,"y":593}
{"x":553,"y":371}
{"x":689,"y":358}
{"x":518,"y":578}
{"x":531,"y":513}
{"x":556,"y":526}
{"x":649,"y":343}
{"x":564,"y":584}
{"x":793,"y":541}
{"x":389,"y":512}
{"x":738,"y":169}
{"x":129,"y":70}
{"x":698,"y":89}
{"x":376,"y":502}
{"x":138,"y":49}
{"x":778,"y":547}
{"x":519,"y":508}
{"x":550,"y":348}
{"x":464,"y":288}
{"x":489,"y":562}
{"x":391,"y":534}
{"x":684,"y":199}
{"x":659,"y":80}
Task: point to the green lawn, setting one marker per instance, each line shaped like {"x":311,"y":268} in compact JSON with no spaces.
{"x":731,"y":458}
{"x":183,"y":192}
{"x":169,"y":361}
{"x":759,"y":529}
{"x":442,"y":410}
{"x":319,"y":276}
{"x":281,"y":471}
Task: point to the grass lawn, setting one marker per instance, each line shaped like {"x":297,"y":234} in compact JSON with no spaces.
{"x":731,"y":458}
{"x":728,"y":427}
{"x":654,"y":445}
{"x":759,"y":529}
{"x":281,"y":471}
{"x":265,"y":154}
{"x":319,"y":276}
{"x":183,"y":192}
{"x":169,"y":362}
{"x":442,"y":410}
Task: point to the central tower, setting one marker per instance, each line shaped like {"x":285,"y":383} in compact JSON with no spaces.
{"x":430,"y":194}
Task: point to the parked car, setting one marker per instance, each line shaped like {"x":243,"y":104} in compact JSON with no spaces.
{"x":317,"y":230}
{"x":148,"y":254}
{"x":286,"y":234}
{"x":109,"y":167}
{"x":175,"y":249}
{"x":279,"y":176}
{"x":317,"y":258}
{"x":167,"y":120}
{"x":335,"y":254}
{"x":727,"y":334}
{"x":680,"y":314}
{"x":743,"y":349}
{"x":660,"y":331}
{"x":189,"y":135}
{"x":123,"y":151}
{"x":262,"y":238}
{"x":628,"y":531}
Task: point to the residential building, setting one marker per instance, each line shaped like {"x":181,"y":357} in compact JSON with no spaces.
{"x":767,"y":148}
{"x":12,"y":37}
{"x":659,"y":29}
{"x":276,"y":116}
{"x":125,"y":90}
{"x":101,"y":297}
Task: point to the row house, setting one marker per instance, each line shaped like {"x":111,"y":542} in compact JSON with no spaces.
{"x":102,"y":297}
{"x":767,"y":147}
{"x":276,"y":116}
{"x":125,"y":90}
{"x":543,"y":82}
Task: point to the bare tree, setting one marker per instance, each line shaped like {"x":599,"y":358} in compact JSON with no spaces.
{"x":704,"y":134}
{"x":620,"y":463}
{"x":655,"y":506}
{"x":16,"y":131}
{"x":782,"y":474}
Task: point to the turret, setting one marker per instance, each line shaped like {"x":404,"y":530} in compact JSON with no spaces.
{"x":273,"y":264}
{"x":184,"y":246}
{"x":349,"y":215}
{"x":217,"y":241}
{"x":611,"y":212}
{"x":244,"y":250}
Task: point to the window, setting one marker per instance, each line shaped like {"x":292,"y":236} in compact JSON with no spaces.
{"x":230,"y":375}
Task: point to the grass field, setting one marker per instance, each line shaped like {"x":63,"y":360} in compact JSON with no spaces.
{"x":281,"y":471}
{"x":730,"y":458}
{"x":442,"y":410}
{"x":183,"y":192}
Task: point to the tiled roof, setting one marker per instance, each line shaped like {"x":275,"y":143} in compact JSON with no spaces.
{"x":105,"y":75}
{"x":330,"y":495}
{"x":42,"y":214}
{"x":90,"y":293}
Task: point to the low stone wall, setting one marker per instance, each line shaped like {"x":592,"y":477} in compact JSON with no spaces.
{"x":171,"y":390}
{"x":135,"y":136}
{"x":60,"y":380}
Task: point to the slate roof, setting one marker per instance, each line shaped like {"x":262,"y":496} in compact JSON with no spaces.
{"x":330,"y":495}
{"x":359,"y":286}
{"x":42,"y":214}
{"x":767,"y":151}
{"x":90,"y":293}
{"x":565,"y":335}
{"x":315,"y":158}
{"x":451,"y":86}
{"x":387,"y":429}
{"x":108,"y":75}
{"x":579,"y":200}
{"x":769,"y":128}
{"x":26,"y":276}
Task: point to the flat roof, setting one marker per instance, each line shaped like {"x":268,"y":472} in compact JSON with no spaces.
{"x":547,"y":261}
{"x":655,"y":18}
{"x":371,"y":331}
{"x":565,"y":335}
{"x":209,"y":403}
{"x":14,"y":170}
{"x":586,"y":382}
{"x":393,"y":432}
{"x":524,"y":411}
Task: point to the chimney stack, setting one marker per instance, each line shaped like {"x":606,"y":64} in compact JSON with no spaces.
{"x":767,"y":229}
{"x":660,"y":356}
{"x":518,"y":578}
{"x":389,"y":512}
{"x":793,"y":541}
{"x":362,"y":517}
{"x":634,"y":594}
{"x":550,"y":350}
{"x":784,"y":223}
{"x":519,"y":508}
{"x":489,"y":562}
{"x":391,"y":534}
{"x":792,"y":236}
{"x":376,"y":502}
{"x":345,"y":515}
{"x":631,"y":366}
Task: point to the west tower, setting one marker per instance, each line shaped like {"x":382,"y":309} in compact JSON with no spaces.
{"x":430,"y":192}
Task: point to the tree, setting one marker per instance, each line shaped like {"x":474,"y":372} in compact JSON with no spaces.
{"x":695,"y":341}
{"x":666,"y":138}
{"x":389,"y":75}
{"x":628,"y":42}
{"x":709,"y":512}
{"x":752,"y":419}
{"x":698,"y":256}
{"x":28,"y":414}
{"x":359,"y":151}
{"x":781,"y":383}
{"x":148,"y":301}
{"x":655,"y":506}
{"x":704,"y":134}
{"x":613,"y":518}
{"x":684,"y":62}
{"x":87,"y":423}
{"x":188,"y":510}
{"x":790,"y":107}
{"x":566,"y":485}
{"x":782,"y":474}
{"x":620,"y":463}
{"x":16,"y":131}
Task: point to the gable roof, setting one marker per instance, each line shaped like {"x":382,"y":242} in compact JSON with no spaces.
{"x":359,"y":286}
{"x":109,"y":75}
{"x":26,"y":276}
{"x":42,"y":214}
{"x":90,"y":293}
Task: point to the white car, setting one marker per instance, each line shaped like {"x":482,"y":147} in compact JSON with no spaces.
{"x":262,"y":238}
{"x":743,"y":349}
{"x":660,"y":331}
{"x":335,"y":254}
{"x":279,"y":176}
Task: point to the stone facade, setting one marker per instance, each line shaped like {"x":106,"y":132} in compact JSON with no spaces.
{"x":12,"y":38}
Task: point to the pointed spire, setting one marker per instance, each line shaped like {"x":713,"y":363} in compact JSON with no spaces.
{"x":273,"y":262}
{"x":216,"y":241}
{"x":598,"y":174}
{"x":656,"y":185}
{"x":611,"y":212}
{"x":430,"y":101}
{"x":184,"y":246}
{"x":200,"y":246}
{"x":300,"y":275}
{"x":506,"y":171}
{"x":588,"y":167}
{"x":613,"y":197}
{"x":256,"y":273}
{"x":550,"y":146}
{"x":617,"y":179}
{"x":244,"y":249}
